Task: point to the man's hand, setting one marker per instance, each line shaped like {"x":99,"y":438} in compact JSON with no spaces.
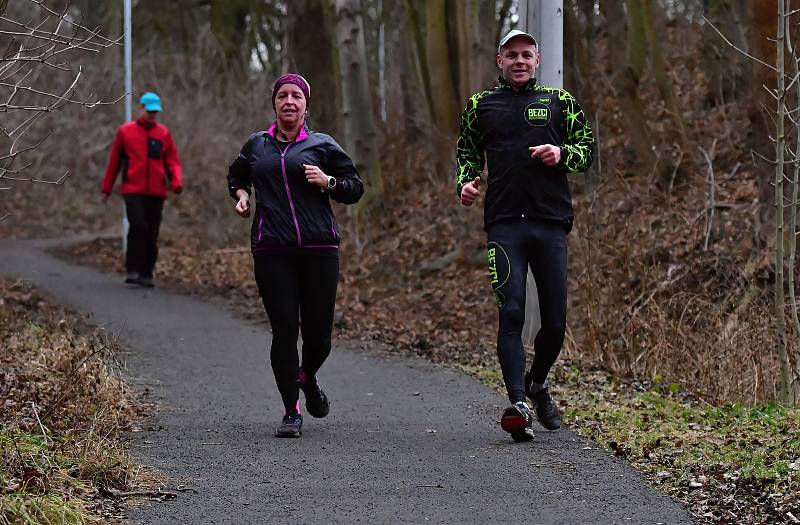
{"x":104,"y":197}
{"x":243,"y":204}
{"x":470,"y":192}
{"x":178,"y":190}
{"x":549,"y":154}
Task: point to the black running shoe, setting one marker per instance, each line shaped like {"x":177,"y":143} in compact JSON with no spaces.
{"x":317,"y":403}
{"x":132,"y":278}
{"x":517,"y":421}
{"x":546,"y":410}
{"x":291,"y":427}
{"x":145,"y":281}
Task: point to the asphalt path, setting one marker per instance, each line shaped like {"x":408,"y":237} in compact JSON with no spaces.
{"x":406,"y":441}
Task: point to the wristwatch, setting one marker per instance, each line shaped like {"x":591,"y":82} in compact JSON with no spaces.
{"x":331,"y":183}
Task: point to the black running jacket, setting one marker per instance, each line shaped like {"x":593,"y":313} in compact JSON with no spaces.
{"x":290,"y":212}
{"x":499,"y":125}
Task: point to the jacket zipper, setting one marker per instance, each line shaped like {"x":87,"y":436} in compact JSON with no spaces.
{"x":147,"y":160}
{"x":289,"y":193}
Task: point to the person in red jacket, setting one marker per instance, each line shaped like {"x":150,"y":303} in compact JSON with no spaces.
{"x":145,"y":153}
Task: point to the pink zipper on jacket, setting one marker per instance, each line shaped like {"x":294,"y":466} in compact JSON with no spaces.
{"x":289,"y":193}
{"x":301,"y":136}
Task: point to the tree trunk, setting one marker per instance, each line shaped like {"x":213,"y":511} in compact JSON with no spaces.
{"x":793,"y":307}
{"x":471,"y":52}
{"x":577,"y":70}
{"x":653,"y":21}
{"x":314,"y":55}
{"x":417,"y":56}
{"x":445,"y":108}
{"x":729,"y":71}
{"x":229,"y":24}
{"x":627,"y":74}
{"x":356,"y":99}
{"x":780,"y":144}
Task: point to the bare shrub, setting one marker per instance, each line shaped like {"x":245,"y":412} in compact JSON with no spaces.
{"x":40,"y":74}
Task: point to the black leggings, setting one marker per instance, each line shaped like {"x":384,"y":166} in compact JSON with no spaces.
{"x":299,"y":293}
{"x":144,"y":218}
{"x":513,"y":246}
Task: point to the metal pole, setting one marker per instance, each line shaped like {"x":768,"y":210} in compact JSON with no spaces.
{"x":544,"y":19}
{"x":128,"y":74}
{"x":128,"y":101}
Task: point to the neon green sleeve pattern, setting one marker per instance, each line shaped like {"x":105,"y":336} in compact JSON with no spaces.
{"x":579,"y":144}
{"x":470,"y":156}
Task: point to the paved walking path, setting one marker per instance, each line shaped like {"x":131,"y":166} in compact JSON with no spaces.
{"x":405,"y":441}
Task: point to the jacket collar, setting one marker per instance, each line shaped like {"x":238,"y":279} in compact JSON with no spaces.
{"x":303,"y":135}
{"x":145,"y":123}
{"x":532,"y":84}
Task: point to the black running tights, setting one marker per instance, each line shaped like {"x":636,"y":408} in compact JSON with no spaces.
{"x":515,"y":245}
{"x":299,"y":294}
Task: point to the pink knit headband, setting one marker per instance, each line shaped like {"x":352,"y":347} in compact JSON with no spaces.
{"x":292,"y":78}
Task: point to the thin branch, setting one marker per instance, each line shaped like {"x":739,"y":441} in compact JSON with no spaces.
{"x":762,"y":157}
{"x":745,"y":53}
{"x":711,"y":192}
{"x":38,"y":420}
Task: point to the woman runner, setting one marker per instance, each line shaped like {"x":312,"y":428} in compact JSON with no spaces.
{"x":295,"y":239}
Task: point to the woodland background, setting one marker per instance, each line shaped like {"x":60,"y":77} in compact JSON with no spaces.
{"x":672,"y":254}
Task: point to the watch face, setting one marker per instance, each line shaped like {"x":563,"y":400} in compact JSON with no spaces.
{"x":331,"y":182}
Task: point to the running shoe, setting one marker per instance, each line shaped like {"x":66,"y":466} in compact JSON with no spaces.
{"x":132,"y":278}
{"x":517,"y":420}
{"x":146,"y":281}
{"x":291,"y":427}
{"x":317,"y":403}
{"x":546,"y":410}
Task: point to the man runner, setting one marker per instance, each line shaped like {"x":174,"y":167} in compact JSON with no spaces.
{"x":530,"y":136}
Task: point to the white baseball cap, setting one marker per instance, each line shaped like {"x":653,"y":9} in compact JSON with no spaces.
{"x":515,"y":33}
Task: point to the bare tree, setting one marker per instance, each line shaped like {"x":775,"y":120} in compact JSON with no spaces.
{"x":356,"y":98}
{"x":780,"y":163}
{"x":37,"y":77}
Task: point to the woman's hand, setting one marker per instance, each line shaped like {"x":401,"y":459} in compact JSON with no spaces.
{"x":243,"y":205}
{"x":315,"y":176}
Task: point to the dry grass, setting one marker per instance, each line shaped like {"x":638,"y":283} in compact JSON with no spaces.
{"x":63,"y":409}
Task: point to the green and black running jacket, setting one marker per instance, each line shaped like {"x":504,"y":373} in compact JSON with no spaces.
{"x":498,"y":127}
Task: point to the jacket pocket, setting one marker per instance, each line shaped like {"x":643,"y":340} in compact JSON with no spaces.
{"x":258,"y":230}
{"x":154,"y":148}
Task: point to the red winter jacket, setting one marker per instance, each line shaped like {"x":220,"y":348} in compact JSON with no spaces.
{"x":146,"y":155}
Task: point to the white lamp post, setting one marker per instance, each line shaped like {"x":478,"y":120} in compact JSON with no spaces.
{"x":544,"y":19}
{"x":128,"y":101}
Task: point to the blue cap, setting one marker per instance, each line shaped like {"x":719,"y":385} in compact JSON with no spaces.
{"x":150,"y":101}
